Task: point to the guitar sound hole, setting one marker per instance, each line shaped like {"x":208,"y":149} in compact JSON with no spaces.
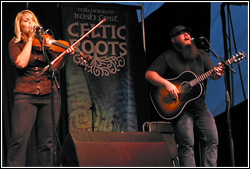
{"x":185,"y":87}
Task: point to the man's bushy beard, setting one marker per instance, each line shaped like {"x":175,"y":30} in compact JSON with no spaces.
{"x":188,"y":52}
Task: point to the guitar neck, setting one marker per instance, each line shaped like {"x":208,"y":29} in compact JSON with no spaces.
{"x":238,"y":57}
{"x":202,"y":77}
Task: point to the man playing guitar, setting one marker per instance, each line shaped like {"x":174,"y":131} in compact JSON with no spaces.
{"x":185,"y":56}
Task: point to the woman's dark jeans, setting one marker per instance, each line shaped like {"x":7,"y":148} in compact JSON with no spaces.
{"x":30,"y":110}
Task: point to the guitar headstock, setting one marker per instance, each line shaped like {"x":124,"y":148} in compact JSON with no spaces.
{"x":236,"y":58}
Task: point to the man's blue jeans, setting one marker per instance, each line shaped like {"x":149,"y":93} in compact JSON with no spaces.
{"x":204,"y":123}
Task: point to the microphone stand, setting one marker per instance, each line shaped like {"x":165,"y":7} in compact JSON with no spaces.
{"x":93,"y":106}
{"x":81,"y":62}
{"x":224,"y":64}
{"x":53,"y":82}
{"x":228,"y":100}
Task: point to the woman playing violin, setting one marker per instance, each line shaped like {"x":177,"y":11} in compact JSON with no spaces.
{"x":32,"y":103}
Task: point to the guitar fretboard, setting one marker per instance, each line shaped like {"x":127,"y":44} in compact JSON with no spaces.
{"x":238,"y":57}
{"x":202,"y":77}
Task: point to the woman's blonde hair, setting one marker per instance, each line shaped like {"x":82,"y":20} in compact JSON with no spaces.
{"x":18,"y":19}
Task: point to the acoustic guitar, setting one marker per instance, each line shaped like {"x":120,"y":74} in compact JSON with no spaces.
{"x":190,"y":88}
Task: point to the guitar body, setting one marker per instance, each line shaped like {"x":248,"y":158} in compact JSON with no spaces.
{"x":166,"y":106}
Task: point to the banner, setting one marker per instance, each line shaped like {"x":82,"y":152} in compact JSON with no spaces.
{"x":100,"y":92}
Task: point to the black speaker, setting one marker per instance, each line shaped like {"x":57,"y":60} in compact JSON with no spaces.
{"x":115,"y":149}
{"x":167,"y":131}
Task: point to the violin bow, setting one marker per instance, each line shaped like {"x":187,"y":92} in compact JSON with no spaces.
{"x":79,"y":40}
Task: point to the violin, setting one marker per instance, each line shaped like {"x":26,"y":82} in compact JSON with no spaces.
{"x":50,"y":43}
{"x":57,"y":46}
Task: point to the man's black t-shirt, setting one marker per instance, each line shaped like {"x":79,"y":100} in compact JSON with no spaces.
{"x":171,"y":64}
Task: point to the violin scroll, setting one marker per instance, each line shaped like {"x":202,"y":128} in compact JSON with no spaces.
{"x":81,"y":59}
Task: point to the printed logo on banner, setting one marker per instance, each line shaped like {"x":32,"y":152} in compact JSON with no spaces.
{"x":106,"y":44}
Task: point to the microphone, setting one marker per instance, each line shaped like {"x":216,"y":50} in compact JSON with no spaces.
{"x":199,"y":38}
{"x":39,"y":30}
{"x":199,"y":41}
{"x":202,"y":37}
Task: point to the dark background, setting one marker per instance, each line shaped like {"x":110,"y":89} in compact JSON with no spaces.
{"x":157,"y":26}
